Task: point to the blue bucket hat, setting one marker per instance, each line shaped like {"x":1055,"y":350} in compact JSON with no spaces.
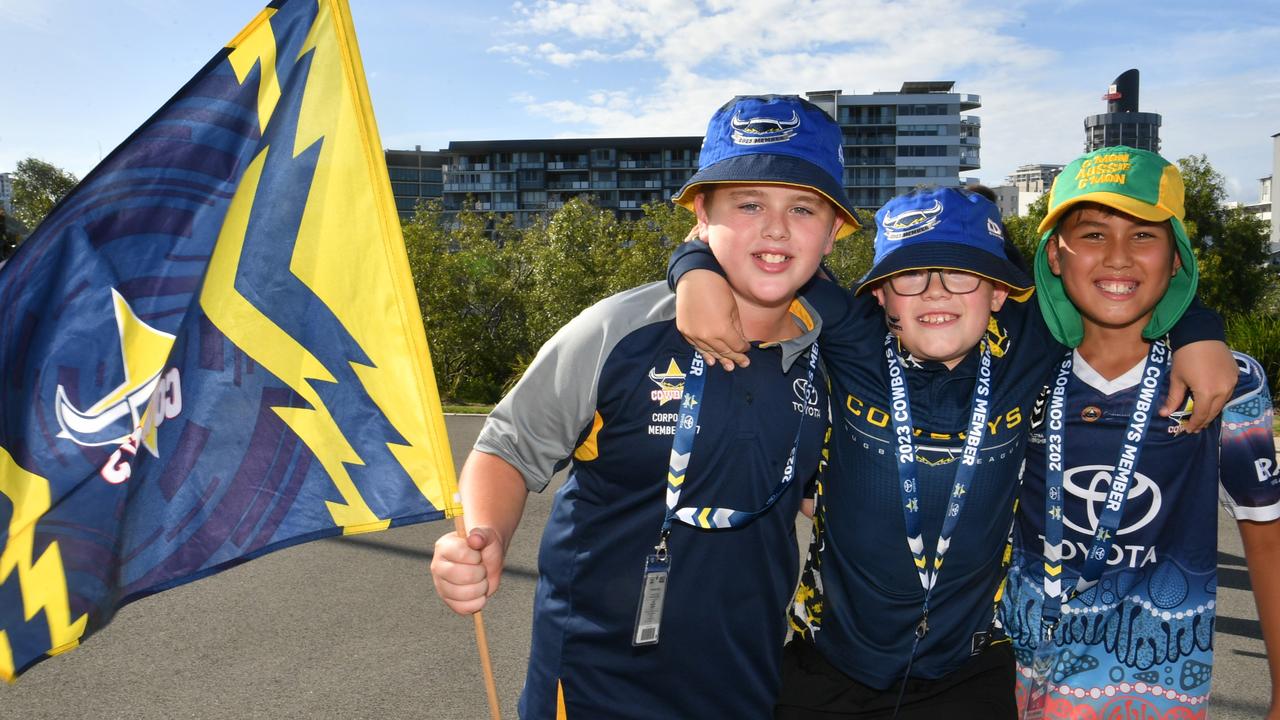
{"x":946,"y":228}
{"x":774,"y":139}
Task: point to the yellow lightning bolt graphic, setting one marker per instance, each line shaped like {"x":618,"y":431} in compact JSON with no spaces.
{"x":345,"y":206}
{"x":257,"y":44}
{"x":997,"y":338}
{"x":352,"y":182}
{"x":280,"y":354}
{"x":42,"y":581}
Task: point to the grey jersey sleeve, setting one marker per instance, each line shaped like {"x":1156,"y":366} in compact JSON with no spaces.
{"x":537,"y":424}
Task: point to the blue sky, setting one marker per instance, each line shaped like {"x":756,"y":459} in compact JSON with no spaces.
{"x":80,"y":75}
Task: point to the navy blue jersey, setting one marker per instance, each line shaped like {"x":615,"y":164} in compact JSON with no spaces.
{"x":860,"y":596}
{"x":1142,"y":638}
{"x":607,"y":389}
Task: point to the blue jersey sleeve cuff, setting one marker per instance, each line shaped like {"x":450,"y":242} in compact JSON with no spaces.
{"x":692,"y":255}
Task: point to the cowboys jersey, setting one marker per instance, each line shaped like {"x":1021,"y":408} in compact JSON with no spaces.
{"x":1140,"y":641}
{"x":860,"y":597}
{"x":605,"y":394}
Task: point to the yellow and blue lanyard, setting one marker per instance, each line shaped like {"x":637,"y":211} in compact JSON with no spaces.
{"x":908,"y":481}
{"x":715,"y":518}
{"x":1149,"y":392}
{"x":658,"y":565}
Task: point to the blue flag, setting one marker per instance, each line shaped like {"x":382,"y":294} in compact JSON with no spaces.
{"x":212,"y":348}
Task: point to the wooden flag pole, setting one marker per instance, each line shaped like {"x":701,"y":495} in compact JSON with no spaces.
{"x":482,"y":644}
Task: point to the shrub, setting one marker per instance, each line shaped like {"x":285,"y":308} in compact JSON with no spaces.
{"x":1259,"y":336}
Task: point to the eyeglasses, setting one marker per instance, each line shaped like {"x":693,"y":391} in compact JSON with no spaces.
{"x":915,"y":282}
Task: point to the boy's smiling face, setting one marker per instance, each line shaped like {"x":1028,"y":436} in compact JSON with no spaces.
{"x":937,"y":324}
{"x":768,"y":238}
{"x":1114,"y":267}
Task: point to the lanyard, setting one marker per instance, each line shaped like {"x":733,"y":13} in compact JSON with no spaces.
{"x":715,"y":518}
{"x":1126,"y":465}
{"x":657,"y":567}
{"x":908,"y":481}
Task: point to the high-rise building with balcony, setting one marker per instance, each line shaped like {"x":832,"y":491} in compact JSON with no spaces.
{"x":1006,"y":199}
{"x":1122,"y":124}
{"x":1275,"y":169}
{"x":897,"y":140}
{"x":416,"y":175}
{"x":1032,"y":182}
{"x":894,"y":141}
{"x":529,"y":177}
{"x":1262,"y":210}
{"x":6,"y":192}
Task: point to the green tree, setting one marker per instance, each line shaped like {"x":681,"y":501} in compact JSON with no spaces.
{"x":570,"y":258}
{"x":9,"y":235}
{"x":648,"y":245}
{"x":1022,"y":230}
{"x":1230,"y":244}
{"x":1259,"y":336}
{"x":851,"y":255}
{"x":471,"y":281}
{"x":37,"y":187}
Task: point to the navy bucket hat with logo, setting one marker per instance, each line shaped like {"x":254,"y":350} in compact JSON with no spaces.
{"x":774,"y":139}
{"x":943,"y":228}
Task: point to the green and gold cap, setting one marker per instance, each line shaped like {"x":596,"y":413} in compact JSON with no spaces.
{"x":1135,"y":182}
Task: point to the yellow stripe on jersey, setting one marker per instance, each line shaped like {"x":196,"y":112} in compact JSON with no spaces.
{"x":588,"y":450}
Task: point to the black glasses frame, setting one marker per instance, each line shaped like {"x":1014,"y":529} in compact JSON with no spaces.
{"x":942,"y":278}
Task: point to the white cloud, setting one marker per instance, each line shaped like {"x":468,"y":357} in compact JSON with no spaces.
{"x":509,"y":49}
{"x":1037,"y":76}
{"x":699,"y":56}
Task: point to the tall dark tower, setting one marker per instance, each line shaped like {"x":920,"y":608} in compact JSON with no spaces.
{"x":1122,"y":124}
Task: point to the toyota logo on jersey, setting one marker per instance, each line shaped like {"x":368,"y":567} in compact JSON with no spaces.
{"x":1092,"y":483}
{"x":806,"y":398}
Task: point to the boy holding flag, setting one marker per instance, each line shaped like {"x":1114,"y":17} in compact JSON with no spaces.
{"x":683,"y":488}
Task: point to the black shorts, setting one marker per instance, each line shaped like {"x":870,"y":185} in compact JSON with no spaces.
{"x":981,"y":689}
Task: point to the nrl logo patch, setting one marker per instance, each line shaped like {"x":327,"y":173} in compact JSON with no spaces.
{"x":763,"y":130}
{"x":670,"y":384}
{"x":910,"y":223}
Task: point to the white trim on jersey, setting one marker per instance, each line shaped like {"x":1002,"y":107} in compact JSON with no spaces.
{"x":1087,"y":375}
{"x":1244,"y":512}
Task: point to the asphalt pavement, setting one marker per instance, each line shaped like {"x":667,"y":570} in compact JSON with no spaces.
{"x":350,"y":627}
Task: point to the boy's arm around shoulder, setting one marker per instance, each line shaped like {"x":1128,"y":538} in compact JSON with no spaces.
{"x":706,"y":312}
{"x":1203,"y":364}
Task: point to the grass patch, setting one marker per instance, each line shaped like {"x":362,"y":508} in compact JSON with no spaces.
{"x":469,"y":409}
